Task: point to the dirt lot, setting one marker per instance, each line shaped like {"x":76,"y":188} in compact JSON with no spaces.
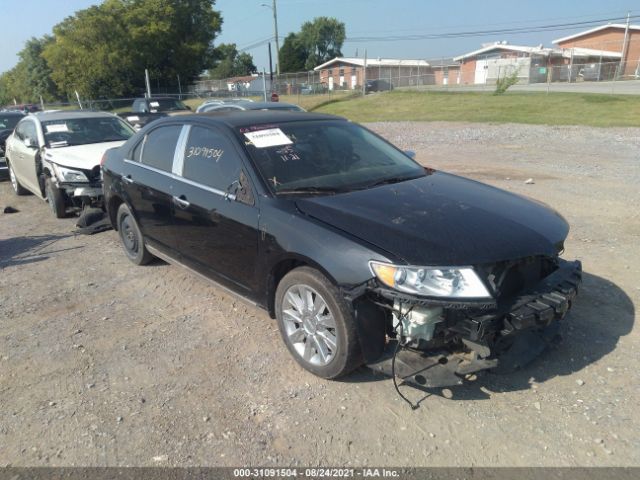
{"x":106,"y":363}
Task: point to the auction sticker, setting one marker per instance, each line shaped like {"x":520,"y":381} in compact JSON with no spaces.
{"x":271,"y":137}
{"x":57,"y":127}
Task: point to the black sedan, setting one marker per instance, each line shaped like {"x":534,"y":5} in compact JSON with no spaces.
{"x":361,"y":254}
{"x":8,"y":121}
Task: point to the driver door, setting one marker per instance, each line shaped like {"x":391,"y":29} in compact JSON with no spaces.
{"x":25,"y":152}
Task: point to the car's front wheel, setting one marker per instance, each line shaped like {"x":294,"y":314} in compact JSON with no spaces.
{"x":55,"y":198}
{"x":17,"y":188}
{"x":131,"y":237}
{"x":316,"y":324}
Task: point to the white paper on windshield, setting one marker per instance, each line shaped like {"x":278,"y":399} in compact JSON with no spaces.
{"x":154,"y":104}
{"x":271,"y":137}
{"x":133,"y":118}
{"x":57,"y":127}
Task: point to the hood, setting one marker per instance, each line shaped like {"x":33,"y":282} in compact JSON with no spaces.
{"x":84,"y":157}
{"x":445,"y":220}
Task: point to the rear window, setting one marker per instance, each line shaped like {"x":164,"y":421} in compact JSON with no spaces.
{"x":9,"y":122}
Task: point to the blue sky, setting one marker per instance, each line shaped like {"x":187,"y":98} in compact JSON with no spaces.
{"x":246,"y":22}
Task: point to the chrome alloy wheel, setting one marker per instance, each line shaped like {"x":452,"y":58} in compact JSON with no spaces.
{"x":309,"y":325}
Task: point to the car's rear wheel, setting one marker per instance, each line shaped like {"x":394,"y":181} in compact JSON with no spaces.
{"x":131,"y":237}
{"x":17,"y":188}
{"x":316,"y":324}
{"x":55,"y":198}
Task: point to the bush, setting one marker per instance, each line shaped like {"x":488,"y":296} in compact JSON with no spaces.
{"x":505,"y":82}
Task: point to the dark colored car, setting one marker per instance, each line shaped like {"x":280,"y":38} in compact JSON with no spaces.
{"x":248,"y":105}
{"x":361,"y":254}
{"x":8,"y":121}
{"x":146,"y":110}
{"x":377,"y":86}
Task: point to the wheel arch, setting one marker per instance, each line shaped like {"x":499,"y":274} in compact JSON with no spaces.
{"x":284,"y":266}
{"x":112,"y":209}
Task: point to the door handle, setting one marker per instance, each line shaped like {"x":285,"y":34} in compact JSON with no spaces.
{"x":127,"y":179}
{"x":181,"y":201}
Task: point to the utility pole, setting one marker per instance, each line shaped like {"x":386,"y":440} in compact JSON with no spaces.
{"x":364,"y":74}
{"x":146,"y":82}
{"x":625,"y":46}
{"x":275,"y":27}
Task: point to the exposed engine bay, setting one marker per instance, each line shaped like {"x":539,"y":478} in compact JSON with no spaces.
{"x":431,"y":343}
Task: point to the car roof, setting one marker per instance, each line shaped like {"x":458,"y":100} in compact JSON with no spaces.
{"x":263,"y":105}
{"x":244,"y":118}
{"x":70,"y":115}
{"x":11,"y":113}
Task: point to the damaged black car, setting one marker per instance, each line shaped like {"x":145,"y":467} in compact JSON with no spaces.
{"x":361,"y":254}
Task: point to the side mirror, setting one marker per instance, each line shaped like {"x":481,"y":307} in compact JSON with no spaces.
{"x":410,"y":154}
{"x":30,"y":143}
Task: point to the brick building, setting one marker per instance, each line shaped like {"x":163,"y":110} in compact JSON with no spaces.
{"x":347,"y":73}
{"x":495,"y":60}
{"x":617,"y":40}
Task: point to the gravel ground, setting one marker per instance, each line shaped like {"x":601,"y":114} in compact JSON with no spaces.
{"x":106,"y":363}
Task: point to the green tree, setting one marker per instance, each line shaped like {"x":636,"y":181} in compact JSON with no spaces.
{"x":31,"y":77}
{"x":322,"y":39}
{"x":102,"y":51}
{"x":293,"y":54}
{"x":228,"y":62}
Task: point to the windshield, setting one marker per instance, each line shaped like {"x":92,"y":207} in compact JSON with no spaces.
{"x":8,"y":122}
{"x":325,"y":157}
{"x":166,"y":105}
{"x":81,"y":131}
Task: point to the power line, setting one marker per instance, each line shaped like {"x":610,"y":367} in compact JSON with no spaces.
{"x":513,"y":22}
{"x":478,"y":33}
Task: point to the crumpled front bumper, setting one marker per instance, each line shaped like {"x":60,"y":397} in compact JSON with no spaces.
{"x":504,"y":338}
{"x":85,"y":189}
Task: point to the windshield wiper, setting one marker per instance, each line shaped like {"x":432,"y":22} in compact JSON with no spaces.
{"x":386,"y":181}
{"x":303,"y":190}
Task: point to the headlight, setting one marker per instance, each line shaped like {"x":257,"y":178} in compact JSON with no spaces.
{"x":68,"y":175}
{"x":446,"y":282}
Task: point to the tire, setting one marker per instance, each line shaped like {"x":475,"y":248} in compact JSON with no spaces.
{"x":55,"y":198}
{"x":131,"y":237}
{"x":17,"y":188}
{"x":325,"y":342}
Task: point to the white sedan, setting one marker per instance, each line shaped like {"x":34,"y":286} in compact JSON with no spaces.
{"x":56,"y":156}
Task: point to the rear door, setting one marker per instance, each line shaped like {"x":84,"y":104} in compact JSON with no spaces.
{"x":215,"y":214}
{"x":148,"y":183}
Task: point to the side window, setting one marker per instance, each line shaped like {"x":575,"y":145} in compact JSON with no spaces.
{"x":20,"y":130}
{"x":27,"y":131}
{"x":137,"y":150}
{"x":210,"y":159}
{"x":160,"y":146}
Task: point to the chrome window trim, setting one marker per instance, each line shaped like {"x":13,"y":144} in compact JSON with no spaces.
{"x":177,"y":167}
{"x":173,"y":176}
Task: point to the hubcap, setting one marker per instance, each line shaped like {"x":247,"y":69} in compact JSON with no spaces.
{"x":309,"y":325}
{"x":128,"y":235}
{"x":12,"y":176}
{"x":49,"y":194}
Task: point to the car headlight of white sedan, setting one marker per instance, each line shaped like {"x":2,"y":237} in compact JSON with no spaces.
{"x":445,"y":282}
{"x":68,"y":175}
